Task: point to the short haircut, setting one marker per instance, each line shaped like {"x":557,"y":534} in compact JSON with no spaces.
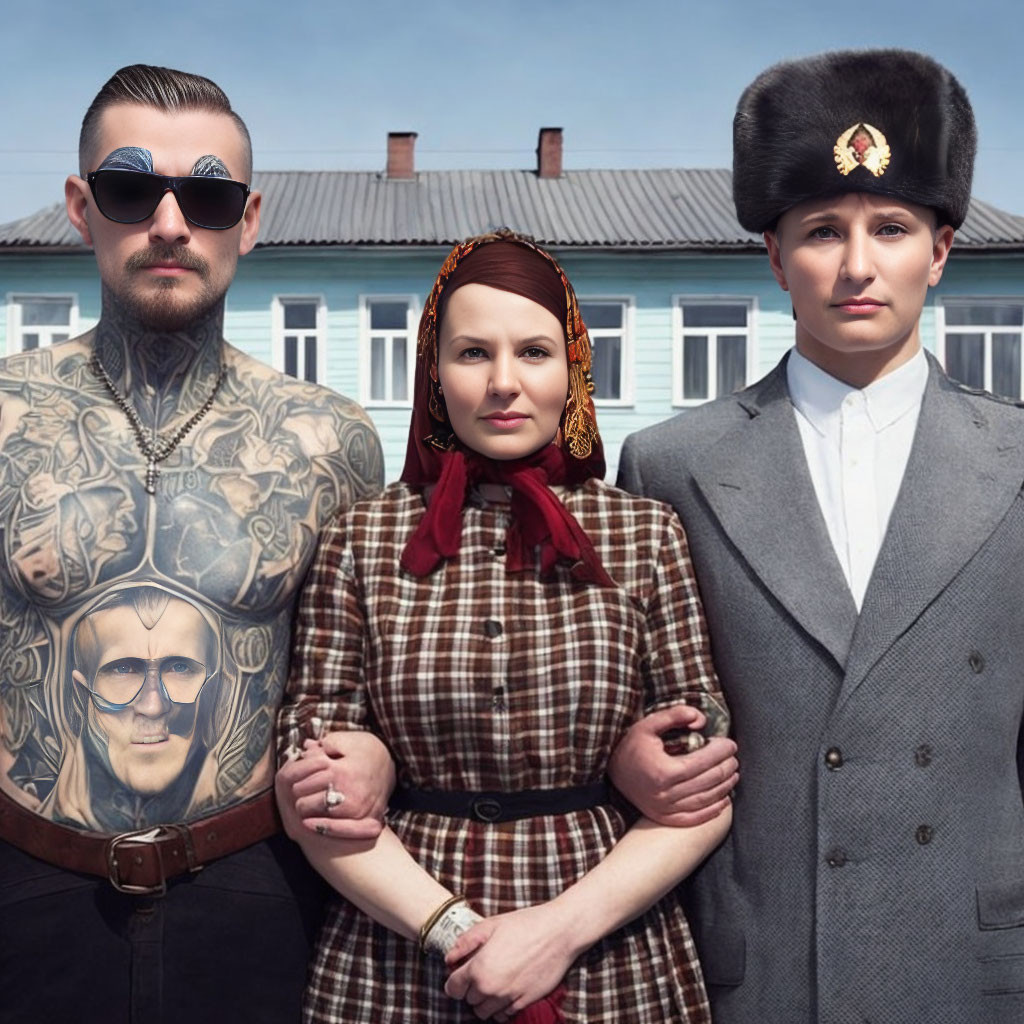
{"x":162,"y":88}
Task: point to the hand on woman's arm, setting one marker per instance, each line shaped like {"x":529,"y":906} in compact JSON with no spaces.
{"x":376,"y":874}
{"x":517,"y":958}
{"x":680,"y":790}
{"x":671,"y":788}
{"x":356,"y":767}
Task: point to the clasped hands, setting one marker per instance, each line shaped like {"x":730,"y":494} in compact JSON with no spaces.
{"x":511,"y":960}
{"x":506,"y":962}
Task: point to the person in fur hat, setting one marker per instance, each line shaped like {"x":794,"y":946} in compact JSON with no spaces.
{"x":857,"y":526}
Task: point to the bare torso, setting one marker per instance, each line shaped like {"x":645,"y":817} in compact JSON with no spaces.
{"x":144,"y":639}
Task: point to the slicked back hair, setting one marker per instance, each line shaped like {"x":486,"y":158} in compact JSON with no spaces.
{"x":162,"y":88}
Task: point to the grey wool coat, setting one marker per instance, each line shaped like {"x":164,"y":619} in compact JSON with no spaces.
{"x":875,"y":868}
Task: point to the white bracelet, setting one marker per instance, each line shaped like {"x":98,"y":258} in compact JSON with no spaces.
{"x":445,"y":931}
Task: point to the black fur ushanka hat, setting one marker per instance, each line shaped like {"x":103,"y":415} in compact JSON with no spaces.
{"x":891,"y":122}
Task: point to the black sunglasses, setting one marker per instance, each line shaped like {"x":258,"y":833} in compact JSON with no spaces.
{"x":128,"y":197}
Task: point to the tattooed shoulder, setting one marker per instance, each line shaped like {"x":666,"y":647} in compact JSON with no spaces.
{"x":332,"y":430}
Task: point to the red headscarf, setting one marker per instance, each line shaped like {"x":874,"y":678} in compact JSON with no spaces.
{"x":435,"y":456}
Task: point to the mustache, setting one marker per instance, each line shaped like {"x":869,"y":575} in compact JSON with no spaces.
{"x":154,"y":254}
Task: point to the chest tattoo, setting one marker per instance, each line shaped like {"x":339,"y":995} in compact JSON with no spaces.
{"x":144,"y":637}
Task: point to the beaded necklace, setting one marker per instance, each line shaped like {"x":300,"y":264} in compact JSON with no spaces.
{"x":153,"y":446}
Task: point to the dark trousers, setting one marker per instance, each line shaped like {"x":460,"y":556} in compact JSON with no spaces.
{"x":230,"y":943}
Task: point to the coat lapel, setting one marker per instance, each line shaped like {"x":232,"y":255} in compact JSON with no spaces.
{"x":756,"y":482}
{"x":963,"y":473}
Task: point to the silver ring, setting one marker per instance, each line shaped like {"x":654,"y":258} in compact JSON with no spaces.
{"x":332,"y":797}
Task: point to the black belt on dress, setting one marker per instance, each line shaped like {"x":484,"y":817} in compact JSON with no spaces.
{"x":493,"y":807}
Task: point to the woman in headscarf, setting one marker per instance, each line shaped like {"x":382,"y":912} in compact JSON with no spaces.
{"x":499,"y":618}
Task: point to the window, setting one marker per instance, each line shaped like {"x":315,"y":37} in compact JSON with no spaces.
{"x":299,"y":336}
{"x":389,"y":350}
{"x":608,"y":324}
{"x":713,"y":348}
{"x":982,"y":344}
{"x":37,"y":320}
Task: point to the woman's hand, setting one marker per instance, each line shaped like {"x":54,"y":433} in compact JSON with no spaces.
{"x":509,"y":961}
{"x":338,"y":786}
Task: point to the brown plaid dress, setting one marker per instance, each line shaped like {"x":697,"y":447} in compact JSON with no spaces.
{"x":481,"y":679}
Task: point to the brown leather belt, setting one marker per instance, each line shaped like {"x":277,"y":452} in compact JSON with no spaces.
{"x":141,"y":862}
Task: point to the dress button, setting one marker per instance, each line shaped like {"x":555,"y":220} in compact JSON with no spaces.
{"x":498,"y":551}
{"x":924,"y":834}
{"x":492,"y":628}
{"x":976,"y":661}
{"x":923,"y":755}
{"x":834,"y":759}
{"x":835,"y":858}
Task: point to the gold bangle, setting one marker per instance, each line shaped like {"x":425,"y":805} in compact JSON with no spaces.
{"x":434,"y":917}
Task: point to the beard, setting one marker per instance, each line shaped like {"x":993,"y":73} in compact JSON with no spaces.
{"x":168,"y":306}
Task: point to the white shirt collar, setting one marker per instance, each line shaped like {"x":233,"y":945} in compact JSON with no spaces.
{"x":818,"y":396}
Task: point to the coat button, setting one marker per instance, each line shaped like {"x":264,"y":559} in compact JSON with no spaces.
{"x":923,"y":755}
{"x":835,"y":858}
{"x":924,"y":834}
{"x":492,"y":628}
{"x":976,"y":661}
{"x":834,"y":759}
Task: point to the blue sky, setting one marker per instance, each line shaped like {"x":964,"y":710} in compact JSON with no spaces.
{"x":634,"y":83}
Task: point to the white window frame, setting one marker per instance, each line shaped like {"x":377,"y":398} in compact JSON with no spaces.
{"x":16,"y":329}
{"x":412,"y":305}
{"x":942,"y":329}
{"x":278,"y":332}
{"x":681,"y":299}
{"x":626,"y":378}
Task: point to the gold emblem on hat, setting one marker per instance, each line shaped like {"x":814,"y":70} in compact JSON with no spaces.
{"x":865,"y":145}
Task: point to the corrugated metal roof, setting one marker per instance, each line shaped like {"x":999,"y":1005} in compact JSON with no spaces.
{"x":668,"y":208}
{"x":675,"y":208}
{"x":48,"y":227}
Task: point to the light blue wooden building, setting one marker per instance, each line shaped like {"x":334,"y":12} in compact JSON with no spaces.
{"x":679,"y":299}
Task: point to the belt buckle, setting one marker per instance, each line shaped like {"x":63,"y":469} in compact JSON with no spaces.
{"x":487,"y":808}
{"x":148,"y":837}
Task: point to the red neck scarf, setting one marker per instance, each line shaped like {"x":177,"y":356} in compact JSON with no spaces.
{"x":539,"y":519}
{"x":434,"y":456}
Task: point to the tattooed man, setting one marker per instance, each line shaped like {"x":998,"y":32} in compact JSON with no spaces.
{"x":161,"y":496}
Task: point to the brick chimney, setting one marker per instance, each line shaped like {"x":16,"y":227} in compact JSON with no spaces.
{"x":549,"y":153}
{"x":401,"y":157}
